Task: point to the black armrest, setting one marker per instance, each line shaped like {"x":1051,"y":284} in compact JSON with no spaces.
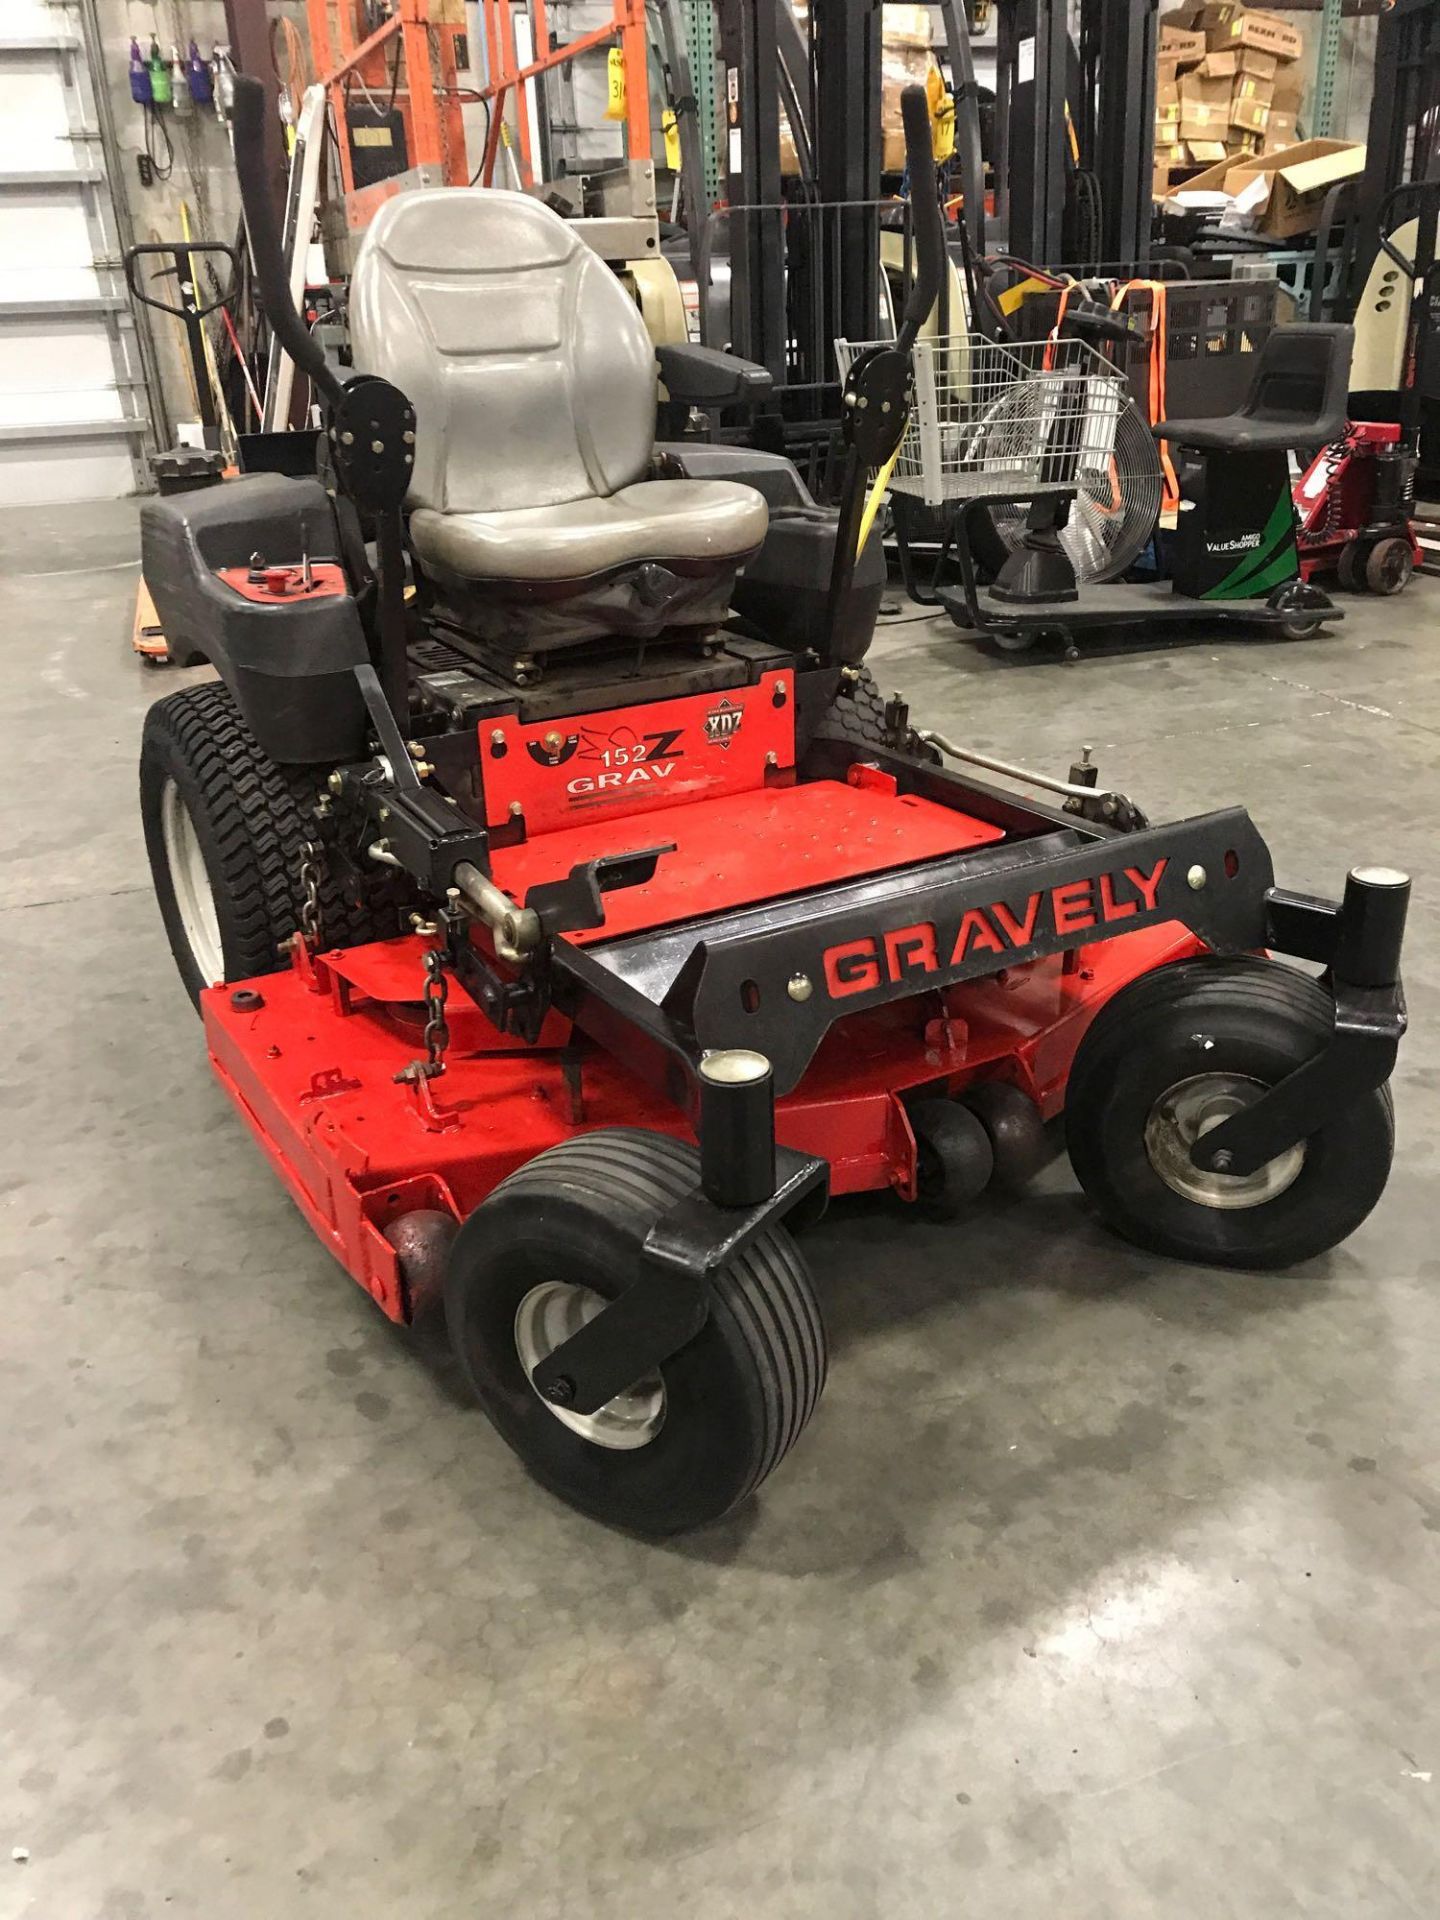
{"x":706,"y":377}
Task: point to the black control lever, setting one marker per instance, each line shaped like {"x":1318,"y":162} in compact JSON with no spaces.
{"x":574,"y":903}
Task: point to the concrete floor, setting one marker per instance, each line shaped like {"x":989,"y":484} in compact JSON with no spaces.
{"x":1099,"y":1585}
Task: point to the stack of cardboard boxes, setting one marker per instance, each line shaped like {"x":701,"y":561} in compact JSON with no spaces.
{"x":1227,"y":86}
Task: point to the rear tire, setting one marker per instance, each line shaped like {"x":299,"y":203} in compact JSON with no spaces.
{"x":225,"y":829}
{"x":1389,"y":565}
{"x":696,"y":1438}
{"x":856,"y":717}
{"x":1013,"y":639}
{"x":1178,"y":1050}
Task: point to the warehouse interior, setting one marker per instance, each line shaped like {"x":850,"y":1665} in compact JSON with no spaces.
{"x":764,"y":671}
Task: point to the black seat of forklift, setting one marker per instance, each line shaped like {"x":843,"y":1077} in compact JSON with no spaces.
{"x":534,"y":385}
{"x":1297,"y":397}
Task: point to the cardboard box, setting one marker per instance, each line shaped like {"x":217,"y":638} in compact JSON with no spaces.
{"x":1206,"y":153}
{"x":1279,"y":132}
{"x":1235,"y":61}
{"x":1204,"y":107}
{"x":1300,"y":177}
{"x":1287,"y":92}
{"x":1250,"y":104}
{"x":1216,"y":20}
{"x":1214,"y":178}
{"x":1180,"y":43}
{"x":1230,"y":26}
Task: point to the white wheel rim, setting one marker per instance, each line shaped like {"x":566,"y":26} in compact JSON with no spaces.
{"x":1191,"y":1108}
{"x":190,"y":883}
{"x":544,"y":1320}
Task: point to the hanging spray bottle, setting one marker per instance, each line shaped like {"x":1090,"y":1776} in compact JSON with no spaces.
{"x":224,"y":86}
{"x":179,"y":84}
{"x":198,"y":78}
{"x":139,"y":77}
{"x":159,"y":76}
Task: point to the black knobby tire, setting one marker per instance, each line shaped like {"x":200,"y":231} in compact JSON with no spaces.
{"x":251,"y":819}
{"x":736,"y":1397}
{"x":1250,"y":1019}
{"x":856,"y":716}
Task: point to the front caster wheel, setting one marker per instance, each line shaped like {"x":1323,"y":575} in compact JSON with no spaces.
{"x":953,"y":1158}
{"x":1173,"y":1055}
{"x":691,"y":1439}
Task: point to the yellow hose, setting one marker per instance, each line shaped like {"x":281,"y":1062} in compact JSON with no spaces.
{"x":872,"y":504}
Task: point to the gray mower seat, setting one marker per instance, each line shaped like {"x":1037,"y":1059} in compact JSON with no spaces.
{"x":534,"y":385}
{"x":694,"y":524}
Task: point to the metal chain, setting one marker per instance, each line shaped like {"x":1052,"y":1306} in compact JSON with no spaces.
{"x":437,"y":992}
{"x":310,"y":857}
{"x":437,"y":72}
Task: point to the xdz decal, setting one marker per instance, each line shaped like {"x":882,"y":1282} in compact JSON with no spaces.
{"x":860,"y":966}
{"x":722,"y":723}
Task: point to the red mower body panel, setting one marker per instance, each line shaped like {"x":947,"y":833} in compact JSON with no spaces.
{"x":312,"y":1068}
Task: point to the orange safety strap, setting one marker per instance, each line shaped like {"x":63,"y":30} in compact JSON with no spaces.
{"x":1052,"y":338}
{"x":1155,"y":397}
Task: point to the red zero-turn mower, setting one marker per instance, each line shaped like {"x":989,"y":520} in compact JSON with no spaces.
{"x":581,"y":915}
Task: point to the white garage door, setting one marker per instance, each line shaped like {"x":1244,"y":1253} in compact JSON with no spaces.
{"x":72,"y":397}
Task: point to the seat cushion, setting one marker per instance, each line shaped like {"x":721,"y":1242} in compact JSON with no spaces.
{"x":692,"y":524}
{"x":1243,"y":433}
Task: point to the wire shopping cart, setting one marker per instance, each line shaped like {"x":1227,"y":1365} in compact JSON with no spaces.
{"x":993,"y":421}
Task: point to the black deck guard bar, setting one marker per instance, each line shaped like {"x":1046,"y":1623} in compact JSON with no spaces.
{"x":674,"y":997}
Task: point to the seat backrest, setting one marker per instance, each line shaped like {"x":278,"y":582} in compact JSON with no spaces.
{"x":1303,"y":377}
{"x":530,"y":369}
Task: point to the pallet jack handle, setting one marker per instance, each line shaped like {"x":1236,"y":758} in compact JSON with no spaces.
{"x":266,"y":252}
{"x":190,"y":307}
